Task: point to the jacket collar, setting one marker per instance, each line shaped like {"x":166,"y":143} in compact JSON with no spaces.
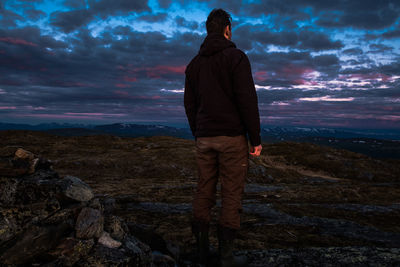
{"x":214,"y":43}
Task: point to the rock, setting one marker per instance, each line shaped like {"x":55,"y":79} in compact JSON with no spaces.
{"x":48,"y":221}
{"x":34,"y":241}
{"x":75,"y":189}
{"x":154,"y":240}
{"x":113,"y":225}
{"x":89,"y":223}
{"x":104,"y":256}
{"x":8,"y":228}
{"x":8,"y":188}
{"x":109,"y":205}
{"x":24,"y":154}
{"x":38,"y":187}
{"x":63,"y":215}
{"x":95,"y":204}
{"x":107,"y":241}
{"x":160,"y":259}
{"x":70,"y":250}
{"x":21,"y":162}
{"x":138,"y":249}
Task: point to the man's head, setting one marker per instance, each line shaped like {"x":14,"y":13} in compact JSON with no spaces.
{"x":219,"y":21}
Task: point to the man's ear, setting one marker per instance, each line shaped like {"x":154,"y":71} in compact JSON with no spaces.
{"x":227,"y":32}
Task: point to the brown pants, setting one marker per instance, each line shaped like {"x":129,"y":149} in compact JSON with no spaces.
{"x":224,"y":157}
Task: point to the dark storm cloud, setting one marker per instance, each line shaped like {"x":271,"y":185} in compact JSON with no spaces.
{"x":317,"y":41}
{"x":122,"y":65}
{"x":164,"y":3}
{"x":392,"y":68}
{"x":246,"y":34}
{"x":34,"y":14}
{"x":285,"y":69}
{"x":106,"y":8}
{"x":379,"y":48}
{"x":369,"y":14}
{"x":362,"y":19}
{"x":391,"y":34}
{"x":156,"y":17}
{"x":182,"y":22}
{"x":8,"y":18}
{"x":76,"y":4}
{"x":382,"y":71}
{"x":69,"y":21}
{"x":353,"y":51}
{"x":31,"y":1}
{"x":387,"y":35}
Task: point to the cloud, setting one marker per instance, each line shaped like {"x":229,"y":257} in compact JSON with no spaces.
{"x":70,"y":20}
{"x":182,"y":22}
{"x":248,"y":34}
{"x":91,"y":60}
{"x":8,"y":18}
{"x":156,"y":17}
{"x":353,"y":51}
{"x":105,"y":8}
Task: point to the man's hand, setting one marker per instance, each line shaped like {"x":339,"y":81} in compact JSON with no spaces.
{"x":255,"y":150}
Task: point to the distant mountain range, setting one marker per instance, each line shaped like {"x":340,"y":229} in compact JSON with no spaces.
{"x":268,"y":133}
{"x":375,"y":143}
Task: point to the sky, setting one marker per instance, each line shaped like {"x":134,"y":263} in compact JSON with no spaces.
{"x":314,"y":63}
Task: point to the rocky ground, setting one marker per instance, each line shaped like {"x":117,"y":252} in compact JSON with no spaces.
{"x":303,"y":204}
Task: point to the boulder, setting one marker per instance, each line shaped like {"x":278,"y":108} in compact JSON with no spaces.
{"x":89,"y":223}
{"x":70,"y":250}
{"x":114,"y":226}
{"x":75,"y":189}
{"x":107,"y":241}
{"x":32,"y":242}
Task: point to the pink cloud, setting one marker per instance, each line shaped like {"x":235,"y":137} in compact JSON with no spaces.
{"x":55,"y":116}
{"x":293,"y":70}
{"x":72,"y":115}
{"x":121,"y":85}
{"x":129,"y":79}
{"x":63,"y":83}
{"x":127,"y":95}
{"x":122,"y":93}
{"x":34,"y":108}
{"x":13,"y":40}
{"x":305,"y":82}
{"x":152,"y":72}
{"x":261,"y":76}
{"x":9,"y":107}
{"x":158,"y":71}
{"x":95,"y":114}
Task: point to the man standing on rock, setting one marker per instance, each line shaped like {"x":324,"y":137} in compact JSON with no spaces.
{"x":222,"y":109}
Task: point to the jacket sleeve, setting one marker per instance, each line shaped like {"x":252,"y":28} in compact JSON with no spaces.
{"x":190,"y":105}
{"x":246,"y":97}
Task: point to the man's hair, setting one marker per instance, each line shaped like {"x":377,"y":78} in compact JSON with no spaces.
{"x":217,"y":20}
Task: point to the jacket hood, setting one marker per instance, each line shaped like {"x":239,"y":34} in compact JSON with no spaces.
{"x":214,"y":43}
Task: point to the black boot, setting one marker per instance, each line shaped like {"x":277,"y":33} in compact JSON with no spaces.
{"x":200,"y":231}
{"x":226,"y":236}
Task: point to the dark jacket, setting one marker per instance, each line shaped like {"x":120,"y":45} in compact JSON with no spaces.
{"x":220,"y":97}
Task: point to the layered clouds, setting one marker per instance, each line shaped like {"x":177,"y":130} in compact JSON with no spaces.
{"x":314,"y":63}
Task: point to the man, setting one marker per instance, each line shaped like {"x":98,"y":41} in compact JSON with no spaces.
{"x":221,"y":106}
